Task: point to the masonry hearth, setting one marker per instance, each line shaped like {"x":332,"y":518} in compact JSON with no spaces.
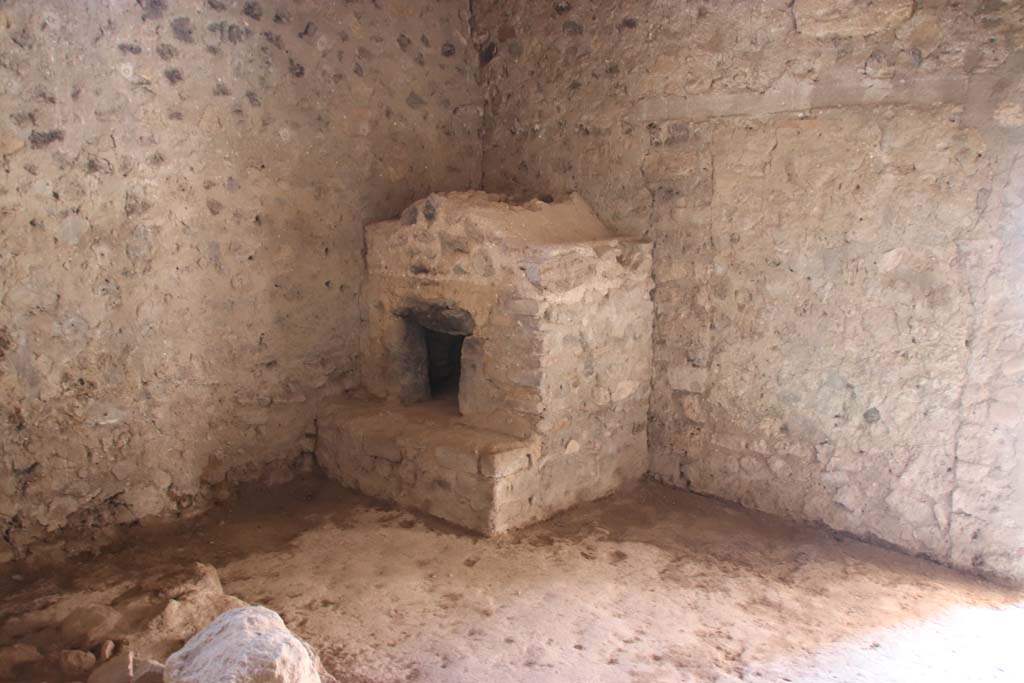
{"x":539,"y":319}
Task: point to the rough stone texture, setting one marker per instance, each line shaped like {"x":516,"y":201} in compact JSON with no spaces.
{"x":847,"y":18}
{"x":244,"y":645}
{"x":88,"y":626}
{"x":147,"y":671}
{"x":14,"y":658}
{"x":557,"y":355}
{"x":170,"y":609}
{"x":426,"y":457}
{"x":156,"y":614}
{"x":76,"y":664}
{"x":118,"y":669}
{"x":184,"y":190}
{"x":834,"y":192}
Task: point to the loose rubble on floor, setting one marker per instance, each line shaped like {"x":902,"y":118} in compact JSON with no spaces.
{"x":179,"y":627}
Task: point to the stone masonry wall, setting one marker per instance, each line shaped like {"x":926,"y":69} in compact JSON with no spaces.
{"x":835,"y":190}
{"x":184,"y":188}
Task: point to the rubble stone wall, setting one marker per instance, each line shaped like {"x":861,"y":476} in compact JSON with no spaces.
{"x":184,"y":189}
{"x":835,"y":192}
{"x":596,"y":322}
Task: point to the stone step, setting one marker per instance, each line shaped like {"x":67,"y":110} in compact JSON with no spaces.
{"x":424,"y":457}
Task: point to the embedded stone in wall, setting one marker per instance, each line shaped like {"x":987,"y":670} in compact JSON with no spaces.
{"x":822,"y":18}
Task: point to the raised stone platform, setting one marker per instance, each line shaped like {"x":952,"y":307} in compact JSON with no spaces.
{"x":426,"y":457}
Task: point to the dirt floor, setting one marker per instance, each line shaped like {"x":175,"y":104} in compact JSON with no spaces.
{"x":652,"y":584}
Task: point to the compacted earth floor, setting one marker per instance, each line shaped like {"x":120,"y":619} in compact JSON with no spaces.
{"x":652,"y":584}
